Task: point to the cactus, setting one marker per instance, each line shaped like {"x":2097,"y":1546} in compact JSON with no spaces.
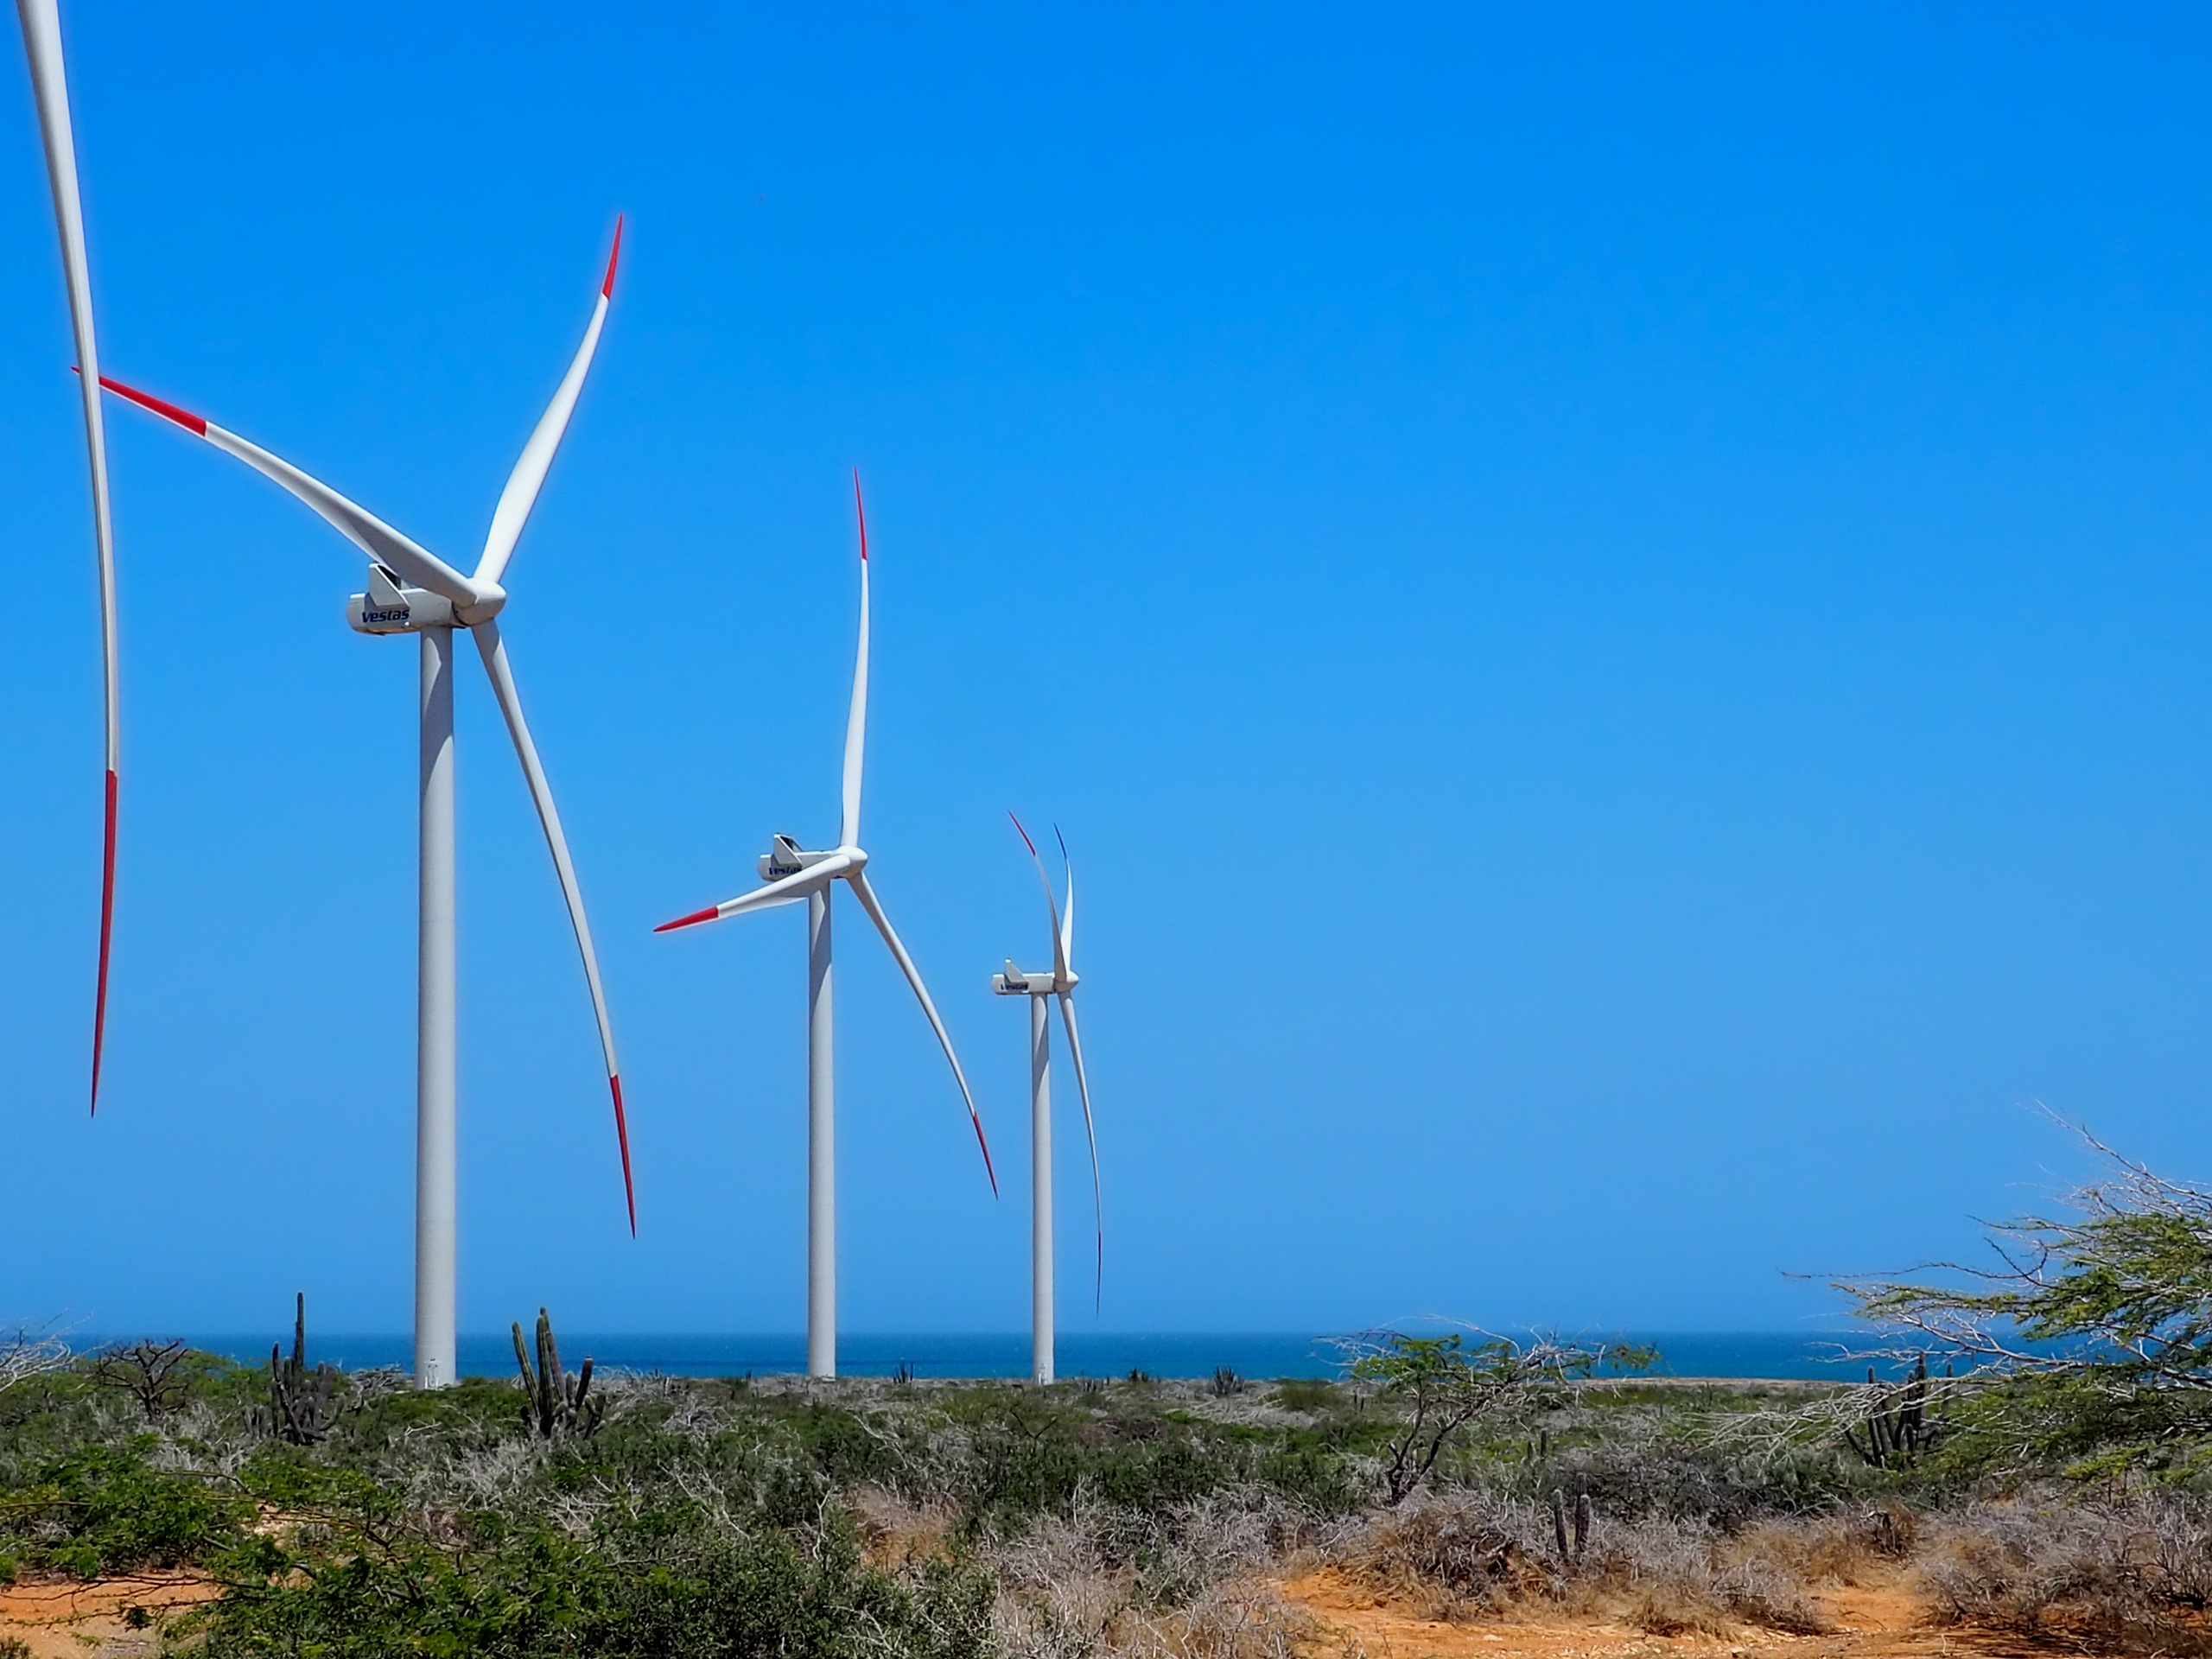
{"x":1898,"y":1429}
{"x":554,"y":1403}
{"x":300,"y":1400}
{"x":1572,"y":1548}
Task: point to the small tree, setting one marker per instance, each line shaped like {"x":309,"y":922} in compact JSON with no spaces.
{"x":152,"y":1373}
{"x":2121,"y":1291}
{"x":1445,"y":1386}
{"x":2090,"y":1336}
{"x":30,"y":1350}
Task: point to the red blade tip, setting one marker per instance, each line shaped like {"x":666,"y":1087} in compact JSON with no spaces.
{"x":1024,"y":834}
{"x":712,"y":912}
{"x":606,"y":288}
{"x":622,"y":1135}
{"x":107,"y":930}
{"x":860,"y":513}
{"x":183,"y":418}
{"x":992,"y":1173}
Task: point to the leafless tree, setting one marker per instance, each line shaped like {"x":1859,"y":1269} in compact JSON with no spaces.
{"x":29,"y":1351}
{"x":147,"y":1372}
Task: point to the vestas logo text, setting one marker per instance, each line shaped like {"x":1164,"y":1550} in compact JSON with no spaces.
{"x":778,"y":872}
{"x":399,"y":615}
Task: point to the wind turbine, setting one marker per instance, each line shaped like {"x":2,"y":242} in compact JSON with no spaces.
{"x":411,"y":590}
{"x":42,"y":24}
{"x":793,"y":873}
{"x":1038,"y":987}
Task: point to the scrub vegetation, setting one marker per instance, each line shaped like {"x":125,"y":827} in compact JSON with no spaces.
{"x":2053,"y":1487}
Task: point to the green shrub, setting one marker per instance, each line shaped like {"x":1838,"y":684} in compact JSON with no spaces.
{"x":493,"y":1592}
{"x":660,"y":1584}
{"x":1315,"y":1478}
{"x":1304,"y":1394}
{"x":845,"y":1448}
{"x":103,"y":1509}
{"x":793,"y":1595}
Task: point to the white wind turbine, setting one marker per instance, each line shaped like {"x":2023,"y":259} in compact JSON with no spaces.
{"x":793,"y":873}
{"x":411,"y":590}
{"x":1060,"y":981}
{"x":49,"y":86}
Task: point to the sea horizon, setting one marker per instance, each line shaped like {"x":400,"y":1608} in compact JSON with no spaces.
{"x":1258,"y":1355}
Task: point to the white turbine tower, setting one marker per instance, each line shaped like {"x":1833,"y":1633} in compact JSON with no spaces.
{"x":1059,"y":983}
{"x":793,"y":873}
{"x":411,"y":590}
{"x":50,"y":87}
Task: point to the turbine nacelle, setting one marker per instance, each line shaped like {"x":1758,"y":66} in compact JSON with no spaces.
{"x":1014,"y":982}
{"x":785,"y":858}
{"x":391,"y":606}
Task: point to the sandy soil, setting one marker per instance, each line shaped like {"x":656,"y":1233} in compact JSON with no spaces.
{"x":1879,"y":1621}
{"x":91,"y":1621}
{"x":55,"y":1617}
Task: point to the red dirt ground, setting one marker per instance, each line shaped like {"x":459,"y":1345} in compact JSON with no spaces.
{"x":1881,"y":1621}
{"x":56,"y":1617}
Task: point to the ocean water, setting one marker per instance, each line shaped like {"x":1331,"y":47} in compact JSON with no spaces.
{"x":1694,"y":1353}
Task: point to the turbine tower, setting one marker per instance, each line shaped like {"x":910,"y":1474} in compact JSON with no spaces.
{"x":1059,"y":983}
{"x":793,"y":873}
{"x":411,"y":590}
{"x":50,"y":87}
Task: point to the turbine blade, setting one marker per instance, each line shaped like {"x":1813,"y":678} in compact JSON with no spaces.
{"x":41,"y":23}
{"x":858,"y":882}
{"x":1059,"y":957}
{"x":355,"y":523}
{"x":789,"y":890}
{"x":529,"y":475}
{"x":1083,"y":1088}
{"x":1067,"y":918}
{"x":107,"y":934}
{"x":856,"y":719}
{"x":493,"y":650}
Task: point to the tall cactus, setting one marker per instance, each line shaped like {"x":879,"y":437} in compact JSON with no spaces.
{"x":300,"y":1400}
{"x":1571,"y":1551}
{"x":554,"y":1403}
{"x":1897,"y":1423}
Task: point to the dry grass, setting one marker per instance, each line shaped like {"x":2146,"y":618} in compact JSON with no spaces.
{"x":1108,"y":1583}
{"x":1195,"y":1582}
{"x":1467,"y":1555}
{"x":1185,"y":1585}
{"x":2131,"y":1577}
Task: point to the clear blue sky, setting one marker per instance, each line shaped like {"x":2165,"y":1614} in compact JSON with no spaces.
{"x":1614,"y":601}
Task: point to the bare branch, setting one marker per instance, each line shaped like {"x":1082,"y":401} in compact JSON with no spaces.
{"x":29,"y":1351}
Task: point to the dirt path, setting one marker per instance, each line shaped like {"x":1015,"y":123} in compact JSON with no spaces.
{"x":1881,"y":1621}
{"x":54,"y":1617}
{"x":57,"y":1618}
